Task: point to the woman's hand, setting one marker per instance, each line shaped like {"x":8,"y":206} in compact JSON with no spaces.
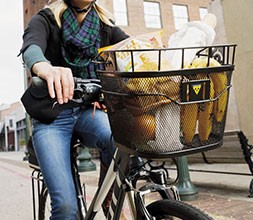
{"x":60,"y":80}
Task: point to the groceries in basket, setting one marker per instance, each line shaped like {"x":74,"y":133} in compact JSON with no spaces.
{"x":138,"y":59}
{"x":149,"y":115}
{"x":192,"y":34}
{"x":160,"y":131}
{"x":167,"y":132}
{"x":150,"y":93}
{"x":145,"y":126}
{"x":131,"y":56}
{"x":151,"y":81}
{"x":201,"y":117}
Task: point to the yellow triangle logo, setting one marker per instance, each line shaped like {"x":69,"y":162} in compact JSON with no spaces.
{"x":196,"y":88}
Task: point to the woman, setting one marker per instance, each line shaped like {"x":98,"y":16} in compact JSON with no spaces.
{"x":58,"y":44}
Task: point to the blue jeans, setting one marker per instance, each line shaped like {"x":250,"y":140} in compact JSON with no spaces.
{"x":52,"y":147}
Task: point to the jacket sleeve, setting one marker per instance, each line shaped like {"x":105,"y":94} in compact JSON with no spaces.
{"x":36,"y":33}
{"x":117,"y":35}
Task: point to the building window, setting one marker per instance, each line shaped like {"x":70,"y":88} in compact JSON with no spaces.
{"x":10,"y":123}
{"x":180,"y":13}
{"x":202,"y":12}
{"x":152,"y":14}
{"x":120,"y":12}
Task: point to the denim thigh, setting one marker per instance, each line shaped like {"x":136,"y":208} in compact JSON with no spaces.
{"x":52,"y":147}
{"x":94,"y":131}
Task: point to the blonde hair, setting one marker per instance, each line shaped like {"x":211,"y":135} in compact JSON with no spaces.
{"x":58,"y":7}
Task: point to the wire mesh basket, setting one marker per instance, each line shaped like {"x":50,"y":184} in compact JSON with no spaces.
{"x":156,"y":111}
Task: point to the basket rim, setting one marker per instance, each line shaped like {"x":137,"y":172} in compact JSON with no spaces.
{"x":110,"y":58}
{"x":159,"y":73}
{"x":172,"y":48}
{"x":169,"y":154}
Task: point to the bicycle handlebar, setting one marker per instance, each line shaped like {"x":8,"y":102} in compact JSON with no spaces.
{"x":86,"y":91}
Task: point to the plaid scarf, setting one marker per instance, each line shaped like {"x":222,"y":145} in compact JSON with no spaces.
{"x":80,"y":44}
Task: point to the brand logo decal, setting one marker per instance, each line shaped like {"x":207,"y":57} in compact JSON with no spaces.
{"x":196,"y":88}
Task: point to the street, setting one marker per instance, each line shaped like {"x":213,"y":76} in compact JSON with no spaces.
{"x":222,"y":196}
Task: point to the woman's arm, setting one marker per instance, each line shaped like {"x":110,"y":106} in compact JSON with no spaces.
{"x":59,"y":79}
{"x":33,"y":54}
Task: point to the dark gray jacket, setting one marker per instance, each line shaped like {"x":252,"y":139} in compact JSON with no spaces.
{"x":44,"y":32}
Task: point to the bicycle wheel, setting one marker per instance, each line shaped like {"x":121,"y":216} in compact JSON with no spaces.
{"x":44,"y":204}
{"x":173,"y":209}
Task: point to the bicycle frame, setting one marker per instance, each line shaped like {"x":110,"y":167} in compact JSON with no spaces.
{"x":118,"y":195}
{"x":118,"y":173}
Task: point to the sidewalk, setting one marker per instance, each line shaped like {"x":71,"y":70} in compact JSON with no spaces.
{"x":222,"y":196}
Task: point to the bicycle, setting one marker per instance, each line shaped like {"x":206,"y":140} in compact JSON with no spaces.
{"x":130,"y":175}
{"x":155,"y":176}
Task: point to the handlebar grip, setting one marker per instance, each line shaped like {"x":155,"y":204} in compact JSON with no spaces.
{"x":38,"y":82}
{"x":86,"y":90}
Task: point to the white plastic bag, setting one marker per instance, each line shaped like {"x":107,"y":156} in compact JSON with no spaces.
{"x":167,"y":133}
{"x":195,"y":33}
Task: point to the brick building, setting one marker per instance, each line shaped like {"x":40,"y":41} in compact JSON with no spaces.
{"x":142,"y":16}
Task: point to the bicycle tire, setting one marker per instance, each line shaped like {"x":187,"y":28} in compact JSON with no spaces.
{"x":173,"y":209}
{"x":43,"y":212}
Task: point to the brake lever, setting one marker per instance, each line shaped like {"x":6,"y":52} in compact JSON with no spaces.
{"x":77,"y":100}
{"x":86,"y":90}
